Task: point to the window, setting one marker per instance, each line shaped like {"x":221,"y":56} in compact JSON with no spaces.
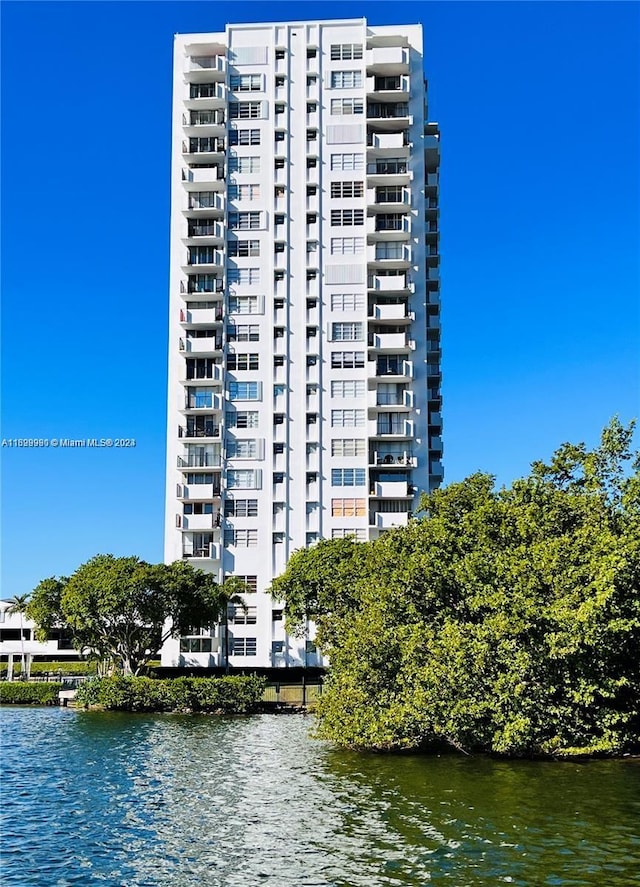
{"x":202,"y":199}
{"x":242,"y":419}
{"x":347,"y":301}
{"x":244,"y":646}
{"x":280,"y":80}
{"x":391,"y":251}
{"x":311,"y":79}
{"x":280,"y":135}
{"x":199,"y":478}
{"x":243,"y":248}
{"x":312,"y":107}
{"x":346,"y":51}
{"x":245,"y":449}
{"x":244,"y":221}
{"x":347,"y":217}
{"x":347,"y":106}
{"x":245,"y":110}
{"x":277,"y":615}
{"x":243,"y":332}
{"x":390,"y":222}
{"x":347,"y":162}
{"x":312,"y":135}
{"x":243,"y":275}
{"x":390,"y":194}
{"x":312,"y":162}
{"x":245,"y":82}
{"x":242,"y":361}
{"x":195,"y":645}
{"x":278,"y":538}
{"x":244,"y":478}
{"x":251,"y":583}
{"x":347,"y":388}
{"x":348,"y":477}
{"x":348,"y":508}
{"x":360,"y":535}
{"x":278,"y":448}
{"x":278,"y":360}
{"x":347,"y":246}
{"x":312,"y":52}
{"x":346,"y":79}
{"x":350,"y":331}
{"x":197,"y":508}
{"x":245,"y":304}
{"x":280,"y":53}
{"x":244,"y":137}
{"x":347,"y":418}
{"x":244,"y":164}
{"x":240,"y":615}
{"x":280,"y":108}
{"x":244,"y":192}
{"x":347,"y":446}
{"x":347,"y":189}
{"x":347,"y":360}
{"x":392,"y":423}
{"x":245,"y":391}
{"x":241,"y":508}
{"x":202,"y":255}
{"x":202,"y":90}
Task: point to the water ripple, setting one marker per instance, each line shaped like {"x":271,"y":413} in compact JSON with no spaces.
{"x":173,"y":801}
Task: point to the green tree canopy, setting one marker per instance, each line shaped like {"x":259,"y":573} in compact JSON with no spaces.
{"x":503,"y":620}
{"x":124,"y":609}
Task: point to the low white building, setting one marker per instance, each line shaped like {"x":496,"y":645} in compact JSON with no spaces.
{"x":18,"y":640}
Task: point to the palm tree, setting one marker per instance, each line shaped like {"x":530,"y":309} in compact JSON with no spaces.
{"x":231,"y":594}
{"x":18,"y":604}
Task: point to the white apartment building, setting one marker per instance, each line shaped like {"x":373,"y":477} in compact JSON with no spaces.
{"x":304,"y":348}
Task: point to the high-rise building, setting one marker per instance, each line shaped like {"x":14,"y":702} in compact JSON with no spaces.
{"x":304,"y":347}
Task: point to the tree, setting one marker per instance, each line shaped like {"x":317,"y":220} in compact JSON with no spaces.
{"x":18,"y":604}
{"x":503,"y":620}
{"x":124,"y":609}
{"x":232,"y":590}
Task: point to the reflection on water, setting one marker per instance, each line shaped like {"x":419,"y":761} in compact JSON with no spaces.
{"x":173,"y":801}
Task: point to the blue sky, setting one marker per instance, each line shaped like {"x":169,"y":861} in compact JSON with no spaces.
{"x":538,"y":104}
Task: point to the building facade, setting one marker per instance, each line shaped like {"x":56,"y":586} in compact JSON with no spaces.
{"x":304,"y":348}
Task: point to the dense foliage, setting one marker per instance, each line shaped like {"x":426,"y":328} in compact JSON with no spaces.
{"x":123,"y":609}
{"x":71,"y":667}
{"x":503,"y":620}
{"x":23,"y":693}
{"x":229,"y":695}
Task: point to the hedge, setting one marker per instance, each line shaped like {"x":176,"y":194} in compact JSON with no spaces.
{"x":73,"y":667}
{"x":23,"y":693}
{"x":229,"y":694}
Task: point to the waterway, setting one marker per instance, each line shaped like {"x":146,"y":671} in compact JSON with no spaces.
{"x":123,"y":800}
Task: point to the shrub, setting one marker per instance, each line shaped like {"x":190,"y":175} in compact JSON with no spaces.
{"x":23,"y":693}
{"x":230,"y":694}
{"x":73,"y":667}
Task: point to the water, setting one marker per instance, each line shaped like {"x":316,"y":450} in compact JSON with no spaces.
{"x":123,"y":800}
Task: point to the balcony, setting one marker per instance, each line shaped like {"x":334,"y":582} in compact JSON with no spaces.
{"x":200,"y":316}
{"x":381,"y":142}
{"x":391,"y":283}
{"x":202,"y":283}
{"x":194,"y":179}
{"x":394,"y":255}
{"x":197,"y":401}
{"x":396,"y":87}
{"x":436,"y":469}
{"x":211,"y":260}
{"x":387,"y":520}
{"x":390,"y":489}
{"x":390,"y":312}
{"x":204,"y":460}
{"x":389,"y":226}
{"x":391,"y":368}
{"x":208,"y":65}
{"x":391,"y":171}
{"x":389,"y":198}
{"x":435,"y":443}
{"x":388,"y":60}
{"x":392,"y":459}
{"x":199,"y":492}
{"x":377,"y":399}
{"x":204,"y":553}
{"x":202,"y":93}
{"x":205,"y":232}
{"x":390,"y":342}
{"x":388,"y":116}
{"x":435,"y":419}
{"x":209,"y":429}
{"x":203,"y":150}
{"x":204,"y":123}
{"x":208,"y":345}
{"x":391,"y":425}
{"x":197,"y":522}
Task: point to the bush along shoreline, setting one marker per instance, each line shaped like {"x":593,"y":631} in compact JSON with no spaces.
{"x":24,"y":693}
{"x":223,"y":695}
